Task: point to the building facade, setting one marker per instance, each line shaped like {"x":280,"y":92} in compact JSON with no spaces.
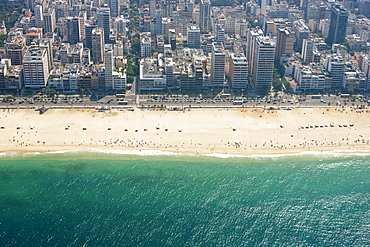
{"x":218,"y":65}
{"x":338,"y":25}
{"x":35,"y":67}
{"x":263,"y":63}
{"x":193,"y":37}
{"x":238,"y":72}
{"x":205,"y":16}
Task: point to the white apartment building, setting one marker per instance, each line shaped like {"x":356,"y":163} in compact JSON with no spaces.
{"x":218,"y":65}
{"x":36,"y":69}
{"x":109,"y":65}
{"x":263,"y":63}
{"x":238,"y":72}
{"x":145,"y":47}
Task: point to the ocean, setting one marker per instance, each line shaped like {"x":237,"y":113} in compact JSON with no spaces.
{"x":106,"y":199}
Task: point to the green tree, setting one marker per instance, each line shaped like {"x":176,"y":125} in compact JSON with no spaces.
{"x":3,"y":37}
{"x":276,"y":81}
{"x":130,"y":79}
{"x":135,"y":46}
{"x":10,"y":11}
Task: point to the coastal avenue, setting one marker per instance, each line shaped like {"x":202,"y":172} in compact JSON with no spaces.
{"x":183,"y":101}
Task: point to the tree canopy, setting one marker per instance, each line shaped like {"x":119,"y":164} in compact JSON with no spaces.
{"x":10,"y":11}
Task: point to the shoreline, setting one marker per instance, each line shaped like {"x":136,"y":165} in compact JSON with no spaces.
{"x":153,"y":155}
{"x":244,"y":132}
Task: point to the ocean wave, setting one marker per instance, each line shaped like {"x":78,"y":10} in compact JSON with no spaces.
{"x":317,"y":155}
{"x":340,"y":153}
{"x":9,"y":153}
{"x":97,"y":151}
{"x":134,"y":152}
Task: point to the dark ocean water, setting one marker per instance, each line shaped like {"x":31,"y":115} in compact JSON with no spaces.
{"x":89,"y":199}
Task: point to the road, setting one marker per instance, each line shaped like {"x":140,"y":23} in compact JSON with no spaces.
{"x":180,"y":102}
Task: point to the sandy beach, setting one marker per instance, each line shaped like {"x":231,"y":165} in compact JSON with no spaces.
{"x":242,"y":131}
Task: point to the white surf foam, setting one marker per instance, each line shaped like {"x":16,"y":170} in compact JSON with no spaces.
{"x":317,"y":154}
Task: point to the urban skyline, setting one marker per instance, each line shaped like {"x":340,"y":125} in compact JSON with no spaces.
{"x":278,"y":43}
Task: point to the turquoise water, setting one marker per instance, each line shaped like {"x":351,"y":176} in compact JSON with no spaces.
{"x":91,"y":199}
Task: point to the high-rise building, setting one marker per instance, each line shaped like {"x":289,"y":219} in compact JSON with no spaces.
{"x":16,"y":50}
{"x":252,"y":35}
{"x":3,"y":72}
{"x":64,"y":52}
{"x":35,"y":68}
{"x":120,"y":25}
{"x":30,"y":4}
{"x":114,"y":8}
{"x":109,"y":65}
{"x":82,"y":17}
{"x":338,"y":25}
{"x":218,"y":65}
{"x":205,"y":16}
{"x":152,"y":8}
{"x":193,"y":37}
{"x":230,"y":25}
{"x":284,"y":42}
{"x":263,"y":63}
{"x":88,"y":34}
{"x":76,"y":8}
{"x":158,"y":23}
{"x":302,"y":32}
{"x":238,"y":72}
{"x":263,"y":7}
{"x":190,"y":8}
{"x":39,"y":17}
{"x":241,"y":27}
{"x":145,"y":47}
{"x":46,"y":44}
{"x":170,"y":5}
{"x":307,"y":50}
{"x":97,"y":45}
{"x":169,"y":72}
{"x":11,"y":76}
{"x":73,"y":30}
{"x":335,"y":66}
{"x":104,"y":22}
{"x":49,"y":21}
{"x":167,"y":25}
{"x":304,"y":4}
{"x":220,"y":34}
{"x":198,"y":72}
{"x":324,"y":27}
